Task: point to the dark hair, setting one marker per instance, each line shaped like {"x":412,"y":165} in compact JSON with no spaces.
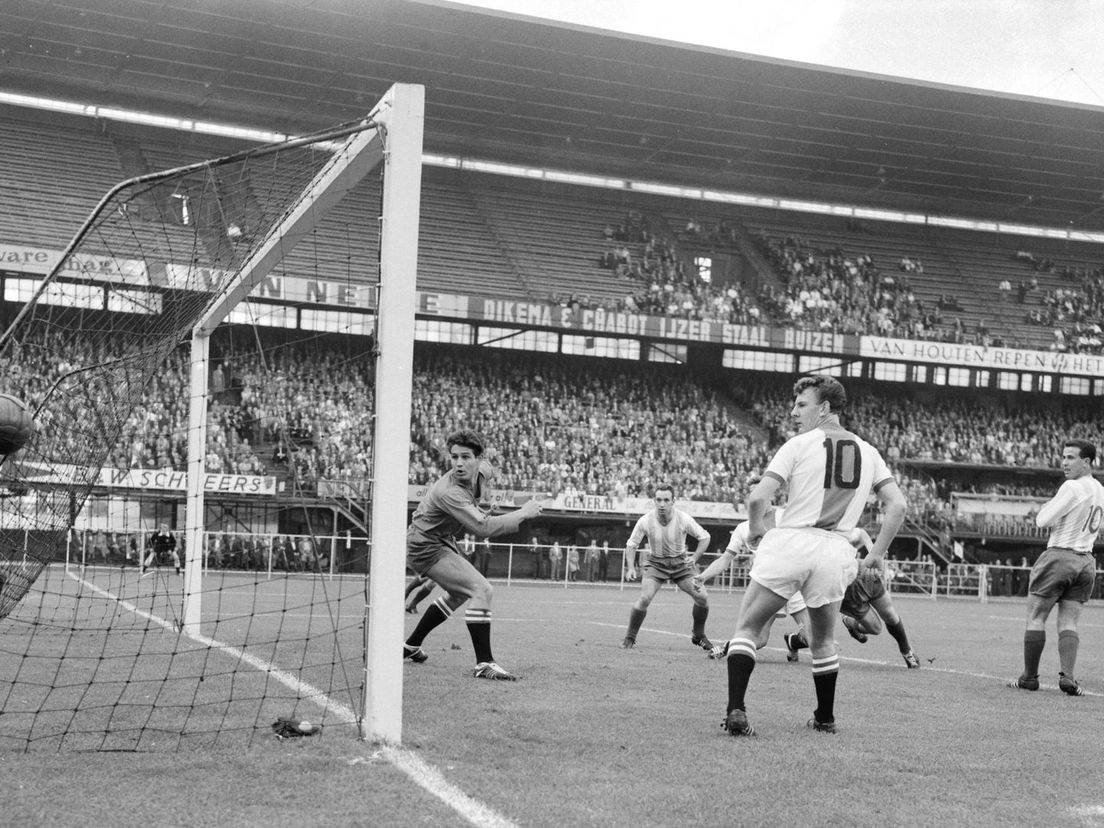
{"x":468,"y":438}
{"x":828,"y":389}
{"x":1087,"y":449}
{"x":663,"y":487}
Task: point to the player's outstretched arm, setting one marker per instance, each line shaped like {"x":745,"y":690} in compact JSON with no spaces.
{"x":484,"y":526}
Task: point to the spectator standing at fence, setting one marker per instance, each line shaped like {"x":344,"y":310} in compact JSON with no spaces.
{"x":99,"y":546}
{"x":1023,"y":576}
{"x":590,"y":561}
{"x":668,"y":559}
{"x":1004,"y":577}
{"x":308,"y":560}
{"x":540,"y":560}
{"x":449,"y":506}
{"x":115,"y":549}
{"x":555,"y":558}
{"x":1064,"y":574}
{"x":829,"y":472}
{"x":603,"y":561}
{"x":572,"y":562}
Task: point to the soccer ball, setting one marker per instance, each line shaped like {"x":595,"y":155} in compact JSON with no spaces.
{"x":16,"y":424}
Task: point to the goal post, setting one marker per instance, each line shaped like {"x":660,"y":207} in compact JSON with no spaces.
{"x":403,"y":120}
{"x":397,"y":141}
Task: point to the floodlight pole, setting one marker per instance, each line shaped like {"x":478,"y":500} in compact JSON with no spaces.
{"x":402,"y":114}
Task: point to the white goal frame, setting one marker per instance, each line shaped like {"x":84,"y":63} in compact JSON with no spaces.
{"x":396,"y":141}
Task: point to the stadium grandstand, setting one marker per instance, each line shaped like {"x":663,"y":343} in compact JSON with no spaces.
{"x":621,"y":271}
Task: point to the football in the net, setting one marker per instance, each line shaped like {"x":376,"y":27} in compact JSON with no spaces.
{"x":16,"y":424}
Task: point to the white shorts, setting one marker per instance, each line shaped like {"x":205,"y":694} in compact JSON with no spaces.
{"x":817,"y":563}
{"x":793,"y":606}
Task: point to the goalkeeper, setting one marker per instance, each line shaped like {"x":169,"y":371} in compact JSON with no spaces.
{"x":451,"y":506}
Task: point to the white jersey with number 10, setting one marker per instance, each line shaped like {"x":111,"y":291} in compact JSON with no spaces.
{"x":830,"y":473}
{"x":1074,"y":515}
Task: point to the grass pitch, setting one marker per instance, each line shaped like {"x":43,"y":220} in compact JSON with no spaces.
{"x":596,"y":735}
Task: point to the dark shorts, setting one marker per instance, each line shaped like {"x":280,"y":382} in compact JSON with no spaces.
{"x":868,"y":586}
{"x":669,"y":569}
{"x":1063,"y":574}
{"x":423,"y":552}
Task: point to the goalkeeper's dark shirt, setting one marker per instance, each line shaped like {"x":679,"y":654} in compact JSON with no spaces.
{"x":163,"y":542}
{"x":446,"y":510}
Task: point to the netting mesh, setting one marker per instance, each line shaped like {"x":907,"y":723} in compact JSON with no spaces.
{"x":91,"y":655}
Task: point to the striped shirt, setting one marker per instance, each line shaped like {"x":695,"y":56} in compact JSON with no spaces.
{"x":665,"y":541}
{"x":830,"y":473}
{"x":1074,"y":514}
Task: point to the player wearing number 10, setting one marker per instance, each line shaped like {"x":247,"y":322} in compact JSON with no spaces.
{"x":1064,"y":573}
{"x":830,"y":473}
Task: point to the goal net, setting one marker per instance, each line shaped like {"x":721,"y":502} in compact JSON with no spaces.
{"x":185,"y":540}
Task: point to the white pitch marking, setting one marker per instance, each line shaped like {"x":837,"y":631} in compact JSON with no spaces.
{"x":431,"y":780}
{"x":1092,"y":815}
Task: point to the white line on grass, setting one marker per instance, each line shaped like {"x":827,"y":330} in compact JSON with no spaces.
{"x":429,"y":778}
{"x":856,"y":660}
{"x":1091,"y":815}
{"x":422,"y":774}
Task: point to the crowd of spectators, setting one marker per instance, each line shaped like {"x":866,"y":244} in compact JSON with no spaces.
{"x":814,"y":288}
{"x":555,"y":424}
{"x":78,"y":384}
{"x":611,"y":429}
{"x":662,"y":283}
{"x":847,"y":293}
{"x":832,"y":289}
{"x":1075,"y":312}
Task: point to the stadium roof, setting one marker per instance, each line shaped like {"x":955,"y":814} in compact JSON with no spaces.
{"x":540,"y":93}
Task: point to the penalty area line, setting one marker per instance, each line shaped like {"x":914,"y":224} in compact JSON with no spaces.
{"x":418,"y":771}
